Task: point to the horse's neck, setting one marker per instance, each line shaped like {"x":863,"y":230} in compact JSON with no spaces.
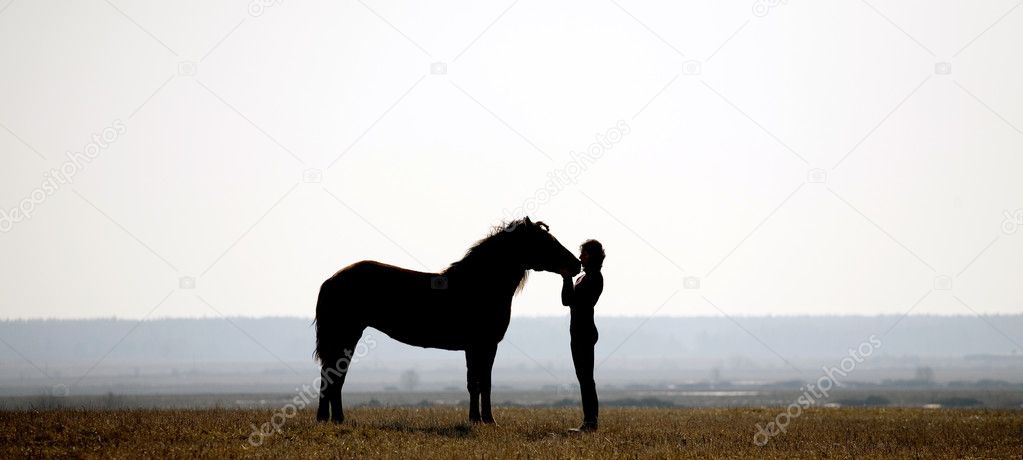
{"x":501,"y":281}
{"x":492,"y":268}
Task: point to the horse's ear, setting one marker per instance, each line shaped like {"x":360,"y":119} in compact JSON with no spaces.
{"x":527,"y":221}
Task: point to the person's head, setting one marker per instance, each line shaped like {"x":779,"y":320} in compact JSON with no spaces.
{"x":591,"y":254}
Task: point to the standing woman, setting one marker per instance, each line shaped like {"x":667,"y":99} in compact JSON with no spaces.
{"x":581,"y":297}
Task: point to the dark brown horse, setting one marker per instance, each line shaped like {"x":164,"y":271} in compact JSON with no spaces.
{"x":466,"y":307}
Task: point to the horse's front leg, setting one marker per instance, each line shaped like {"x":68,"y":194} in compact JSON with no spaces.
{"x":486,"y":367}
{"x":472,"y":384}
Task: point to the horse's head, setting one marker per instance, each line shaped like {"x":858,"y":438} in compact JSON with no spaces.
{"x":540,"y":250}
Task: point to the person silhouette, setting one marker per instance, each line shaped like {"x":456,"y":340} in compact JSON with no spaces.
{"x":581,"y":296}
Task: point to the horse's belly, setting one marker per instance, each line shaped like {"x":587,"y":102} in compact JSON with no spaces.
{"x":448,"y":324}
{"x":411,"y":307}
{"x":426,"y":334}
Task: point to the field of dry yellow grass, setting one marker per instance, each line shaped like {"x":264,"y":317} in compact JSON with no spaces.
{"x":441,"y":432}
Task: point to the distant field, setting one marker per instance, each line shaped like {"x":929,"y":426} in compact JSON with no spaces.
{"x":441,"y":432}
{"x":780,"y":395}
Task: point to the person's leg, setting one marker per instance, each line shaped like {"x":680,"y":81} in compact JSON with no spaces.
{"x":589,"y":394}
{"x":582,"y":357}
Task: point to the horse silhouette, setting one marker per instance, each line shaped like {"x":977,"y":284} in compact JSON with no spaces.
{"x":465,"y":307}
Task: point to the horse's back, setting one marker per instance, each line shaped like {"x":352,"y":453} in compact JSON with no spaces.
{"x":410,"y":306}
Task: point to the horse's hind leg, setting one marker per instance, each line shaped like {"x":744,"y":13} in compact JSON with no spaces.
{"x":323,"y":409}
{"x":333,"y":375}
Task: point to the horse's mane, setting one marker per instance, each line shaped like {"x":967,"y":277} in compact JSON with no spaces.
{"x":489,"y":251}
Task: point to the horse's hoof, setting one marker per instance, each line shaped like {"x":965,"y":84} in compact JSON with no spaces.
{"x":489,"y":421}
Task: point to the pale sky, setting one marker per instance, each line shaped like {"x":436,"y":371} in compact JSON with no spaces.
{"x":795,"y":158}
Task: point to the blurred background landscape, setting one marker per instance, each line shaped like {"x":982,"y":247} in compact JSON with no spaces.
{"x":776,"y":183}
{"x":682,"y":361}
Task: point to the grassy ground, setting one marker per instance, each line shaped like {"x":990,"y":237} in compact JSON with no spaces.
{"x":442,"y":432}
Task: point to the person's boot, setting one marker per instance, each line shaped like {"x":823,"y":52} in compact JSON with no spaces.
{"x":586,"y":427}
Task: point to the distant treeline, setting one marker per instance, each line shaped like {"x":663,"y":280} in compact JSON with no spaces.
{"x":692,"y":339}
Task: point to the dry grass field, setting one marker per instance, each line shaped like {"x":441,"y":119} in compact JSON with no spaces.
{"x":441,"y":432}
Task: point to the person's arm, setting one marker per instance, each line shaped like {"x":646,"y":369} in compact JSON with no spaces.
{"x":567,"y":291}
{"x":588,"y":291}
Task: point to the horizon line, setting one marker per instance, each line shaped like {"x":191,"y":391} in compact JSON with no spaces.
{"x":563,"y":316}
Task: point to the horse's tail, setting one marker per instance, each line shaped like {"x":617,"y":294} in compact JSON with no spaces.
{"x":324,"y":321}
{"x":337,"y":327}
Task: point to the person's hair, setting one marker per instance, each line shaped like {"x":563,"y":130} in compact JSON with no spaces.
{"x":596,"y":252}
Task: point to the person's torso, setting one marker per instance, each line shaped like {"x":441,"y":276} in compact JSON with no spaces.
{"x":582,"y":312}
